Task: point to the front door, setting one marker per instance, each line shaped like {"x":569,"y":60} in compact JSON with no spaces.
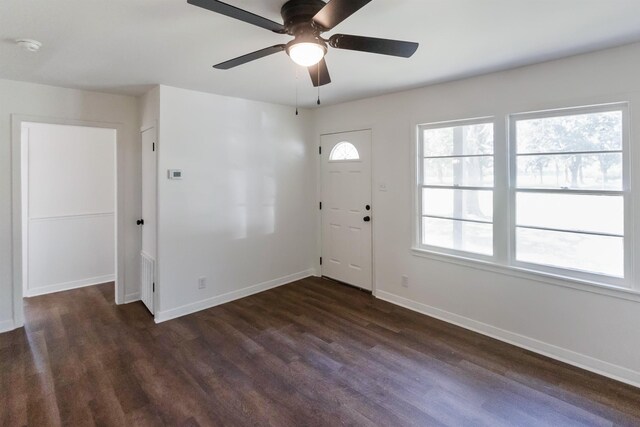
{"x":347,"y":212}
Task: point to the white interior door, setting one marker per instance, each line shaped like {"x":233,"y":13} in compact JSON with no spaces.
{"x":346,"y":207}
{"x":148,"y":220}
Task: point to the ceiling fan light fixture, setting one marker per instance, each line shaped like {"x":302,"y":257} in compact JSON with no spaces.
{"x":306,"y":54}
{"x":306,"y":21}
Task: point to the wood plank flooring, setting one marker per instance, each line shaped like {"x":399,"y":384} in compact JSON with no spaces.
{"x":310,"y":353}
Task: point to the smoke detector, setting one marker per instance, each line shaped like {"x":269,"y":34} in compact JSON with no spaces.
{"x":29,"y":45}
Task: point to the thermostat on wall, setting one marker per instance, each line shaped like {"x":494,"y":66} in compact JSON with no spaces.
{"x":175,"y":174}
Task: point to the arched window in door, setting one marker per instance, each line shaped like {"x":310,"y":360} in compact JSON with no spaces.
{"x":344,"y":151}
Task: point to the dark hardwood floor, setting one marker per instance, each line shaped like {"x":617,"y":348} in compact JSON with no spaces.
{"x":310,"y":353}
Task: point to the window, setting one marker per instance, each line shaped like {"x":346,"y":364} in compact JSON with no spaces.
{"x":569,"y":187}
{"x":561,"y":201}
{"x":456,"y":186}
{"x":344,"y":151}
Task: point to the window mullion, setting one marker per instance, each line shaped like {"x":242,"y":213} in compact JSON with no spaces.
{"x":500,"y":193}
{"x":584,"y":192}
{"x":458,"y":171}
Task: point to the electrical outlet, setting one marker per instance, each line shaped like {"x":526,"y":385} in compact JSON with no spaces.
{"x":405,"y":281}
{"x":202,"y":282}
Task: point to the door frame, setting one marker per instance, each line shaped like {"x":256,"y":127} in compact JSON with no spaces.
{"x":369,"y":128}
{"x":16,"y":203}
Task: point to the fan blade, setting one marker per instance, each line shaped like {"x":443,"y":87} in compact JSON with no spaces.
{"x":337,"y":11}
{"x":242,"y":15}
{"x":373,"y":45}
{"x":250,"y":57}
{"x":324,"y":74}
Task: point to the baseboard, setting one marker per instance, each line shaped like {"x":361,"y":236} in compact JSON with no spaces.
{"x":588,"y":363}
{"x":163,"y":316}
{"x":132,"y":297}
{"x":66,"y":286}
{"x":6,"y":325}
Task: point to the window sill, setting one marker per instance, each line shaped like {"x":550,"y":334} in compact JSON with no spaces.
{"x":523,"y":273}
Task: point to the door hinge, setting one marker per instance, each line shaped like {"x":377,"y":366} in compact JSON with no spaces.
{"x":153,"y":287}
{"x":320,"y":260}
{"x":320,"y":205}
{"x":319,"y":150}
{"x":153,"y":147}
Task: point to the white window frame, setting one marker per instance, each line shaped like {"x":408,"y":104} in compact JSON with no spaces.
{"x":513,"y":119}
{"x":503,"y":259}
{"x":419,"y":186}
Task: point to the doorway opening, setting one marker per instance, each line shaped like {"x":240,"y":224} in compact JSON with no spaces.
{"x":65,"y":206}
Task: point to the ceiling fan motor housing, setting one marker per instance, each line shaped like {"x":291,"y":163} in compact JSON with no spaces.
{"x":297,"y":16}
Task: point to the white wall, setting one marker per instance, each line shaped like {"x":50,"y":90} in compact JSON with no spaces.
{"x":19,"y":98}
{"x":244,"y":215}
{"x":586,"y":328}
{"x":68,"y":206}
{"x":150,"y":108}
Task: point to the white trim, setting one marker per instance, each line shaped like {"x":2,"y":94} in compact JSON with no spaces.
{"x":72,"y":216}
{"x":336,"y":131}
{"x":132,"y":297}
{"x":582,"y":361}
{"x":149,"y":126}
{"x":7,"y":325}
{"x":457,"y":122}
{"x":535,"y":275}
{"x":66,"y":286}
{"x":163,"y":316}
{"x":568,"y":153}
{"x":318,"y":182}
{"x":24,"y":193}
{"x":579,"y":191}
{"x":570,"y":111}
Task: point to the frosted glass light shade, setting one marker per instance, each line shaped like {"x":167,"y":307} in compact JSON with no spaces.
{"x":306,"y":54}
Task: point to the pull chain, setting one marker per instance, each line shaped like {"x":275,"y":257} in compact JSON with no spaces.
{"x":318,"y":65}
{"x":296,"y":68}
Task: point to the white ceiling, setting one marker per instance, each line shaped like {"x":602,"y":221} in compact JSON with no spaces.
{"x":124,"y":46}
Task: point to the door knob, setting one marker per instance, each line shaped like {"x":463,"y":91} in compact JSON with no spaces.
{"x":140,"y":222}
{"x":367,"y":218}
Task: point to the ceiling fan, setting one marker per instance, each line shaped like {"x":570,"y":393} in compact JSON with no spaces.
{"x":306,"y":20}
